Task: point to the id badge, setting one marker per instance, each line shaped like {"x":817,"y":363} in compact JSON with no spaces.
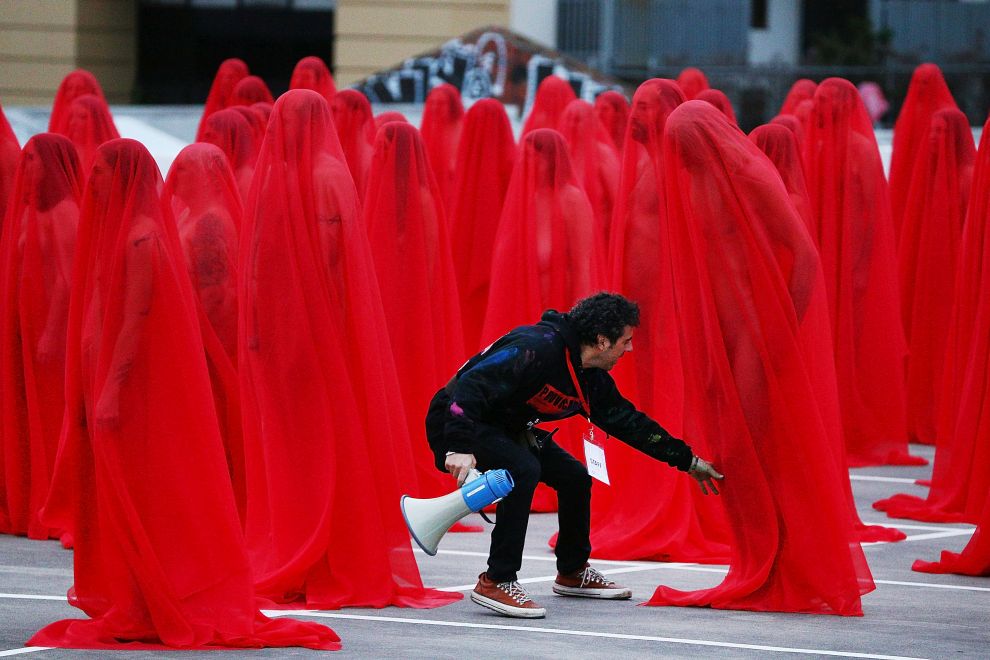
{"x":594,"y":456}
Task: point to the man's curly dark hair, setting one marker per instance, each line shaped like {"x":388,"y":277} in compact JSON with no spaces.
{"x":605,"y":314}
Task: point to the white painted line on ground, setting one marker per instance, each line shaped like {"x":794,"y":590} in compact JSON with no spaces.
{"x":891,"y":480}
{"x":26,"y":649}
{"x":932,"y":585}
{"x":34,"y":597}
{"x":584,"y":633}
{"x":548,"y":578}
{"x":932,"y":528}
{"x":924,"y":537}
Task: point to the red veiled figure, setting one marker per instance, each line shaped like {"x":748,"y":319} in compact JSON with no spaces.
{"x":961,"y":474}
{"x":443,"y":119}
{"x":718,"y":98}
{"x":404,"y":217}
{"x":323,"y":418}
{"x":256,"y":120}
{"x":263,"y":109}
{"x":312,"y":73}
{"x":745,"y":276}
{"x":74,"y":85}
{"x":802,"y":90}
{"x":38,"y":239}
{"x":140,"y":479}
{"x":232,"y":132}
{"x":552,"y":96}
{"x":928,"y":249}
{"x":250,"y":90}
{"x":89,"y":125}
{"x":793,"y":124}
{"x":927,"y":93}
{"x":548,"y":253}
{"x":803,"y":113}
{"x":595,"y":161}
{"x":230,"y":72}
{"x":356,"y":131}
{"x":10,"y":151}
{"x":692,"y":82}
{"x":386,"y":117}
{"x":974,"y":558}
{"x":855,"y":238}
{"x":485,"y":157}
{"x":202,"y":195}
{"x":675,"y":523}
{"x":780,"y":146}
{"x":612,"y":110}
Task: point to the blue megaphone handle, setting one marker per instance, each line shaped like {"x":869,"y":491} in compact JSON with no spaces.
{"x":486,"y":489}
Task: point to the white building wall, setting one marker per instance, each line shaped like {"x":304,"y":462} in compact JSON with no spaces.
{"x":535,"y":19}
{"x":780,"y":41}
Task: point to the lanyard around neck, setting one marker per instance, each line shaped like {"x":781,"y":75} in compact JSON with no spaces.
{"x":577,"y":385}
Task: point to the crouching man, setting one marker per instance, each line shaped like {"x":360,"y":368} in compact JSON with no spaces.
{"x":486,"y":416}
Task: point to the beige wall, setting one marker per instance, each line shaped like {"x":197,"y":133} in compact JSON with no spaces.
{"x":373,"y":35}
{"x":42,"y":40}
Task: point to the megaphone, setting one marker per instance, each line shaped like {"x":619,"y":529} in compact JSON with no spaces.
{"x":429,"y":519}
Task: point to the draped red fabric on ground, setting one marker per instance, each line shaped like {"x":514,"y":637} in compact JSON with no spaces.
{"x":203,"y":197}
{"x":718,"y":98}
{"x":73,"y":86}
{"x":802,"y":90}
{"x":595,"y":161}
{"x":974,"y":558}
{"x":324,"y":428}
{"x":10,"y":150}
{"x":356,"y":131}
{"x":443,"y":118}
{"x":552,"y":96}
{"x":407,"y":229}
{"x":961,"y":474}
{"x":140,"y":480}
{"x":931,"y":231}
{"x":855,"y":239}
{"x":612,"y":110}
{"x":745,"y":277}
{"x":229,"y":73}
{"x":89,"y":125}
{"x":485,"y":158}
{"x":312,"y":73}
{"x":547,"y":254}
{"x":692,"y":81}
{"x":250,"y":90}
{"x":38,"y":240}
{"x":676,"y":522}
{"x":232,"y":132}
{"x":780,"y":146}
{"x":927,"y":93}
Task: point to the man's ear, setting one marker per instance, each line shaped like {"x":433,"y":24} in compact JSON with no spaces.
{"x":602,"y":343}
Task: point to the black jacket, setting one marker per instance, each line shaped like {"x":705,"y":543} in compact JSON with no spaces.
{"x":523,"y":379}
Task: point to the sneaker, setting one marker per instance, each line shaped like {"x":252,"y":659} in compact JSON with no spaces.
{"x":589,"y":583}
{"x":506,"y":598}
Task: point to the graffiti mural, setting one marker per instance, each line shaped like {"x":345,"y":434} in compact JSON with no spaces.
{"x":492,"y":62}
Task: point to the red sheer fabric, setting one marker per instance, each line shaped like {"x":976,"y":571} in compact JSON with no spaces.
{"x":232,"y":132}
{"x":675,"y":523}
{"x":926,"y":94}
{"x":202,"y":195}
{"x":73,"y":86}
{"x":38,"y":239}
{"x":750,"y":301}
{"x":961,"y":474}
{"x":263,"y":109}
{"x":781,"y":147}
{"x":793,"y":124}
{"x":386,"y":117}
{"x":250,"y":90}
{"x":256,"y":120}
{"x":443,"y":119}
{"x":718,"y":98}
{"x":803,"y":113}
{"x":140,"y":480}
{"x":612,"y":110}
{"x":10,"y":150}
{"x":404,"y":217}
{"x":692,"y":82}
{"x":595,"y":160}
{"x":854,"y":236}
{"x":928,"y":250}
{"x":312,"y":73}
{"x":552,"y":96}
{"x":89,"y":125}
{"x":230,"y":72}
{"x":802,"y":90}
{"x":485,"y":157}
{"x":324,"y":431}
{"x":356,"y":131}
{"x":974,"y":558}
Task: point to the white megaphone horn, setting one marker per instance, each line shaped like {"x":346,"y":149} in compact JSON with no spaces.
{"x":429,"y":519}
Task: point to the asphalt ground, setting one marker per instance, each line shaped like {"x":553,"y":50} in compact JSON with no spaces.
{"x":910,"y":615}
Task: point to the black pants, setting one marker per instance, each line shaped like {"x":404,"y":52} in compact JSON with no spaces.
{"x":528,"y":466}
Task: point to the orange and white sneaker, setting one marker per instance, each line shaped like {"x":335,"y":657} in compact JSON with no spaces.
{"x":506,"y":598}
{"x":588,"y":583}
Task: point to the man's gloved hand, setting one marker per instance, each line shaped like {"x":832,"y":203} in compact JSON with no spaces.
{"x":460,"y":465}
{"x":705,"y":474}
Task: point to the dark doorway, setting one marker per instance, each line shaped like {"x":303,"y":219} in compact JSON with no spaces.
{"x":181,"y":44}
{"x":823,"y":19}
